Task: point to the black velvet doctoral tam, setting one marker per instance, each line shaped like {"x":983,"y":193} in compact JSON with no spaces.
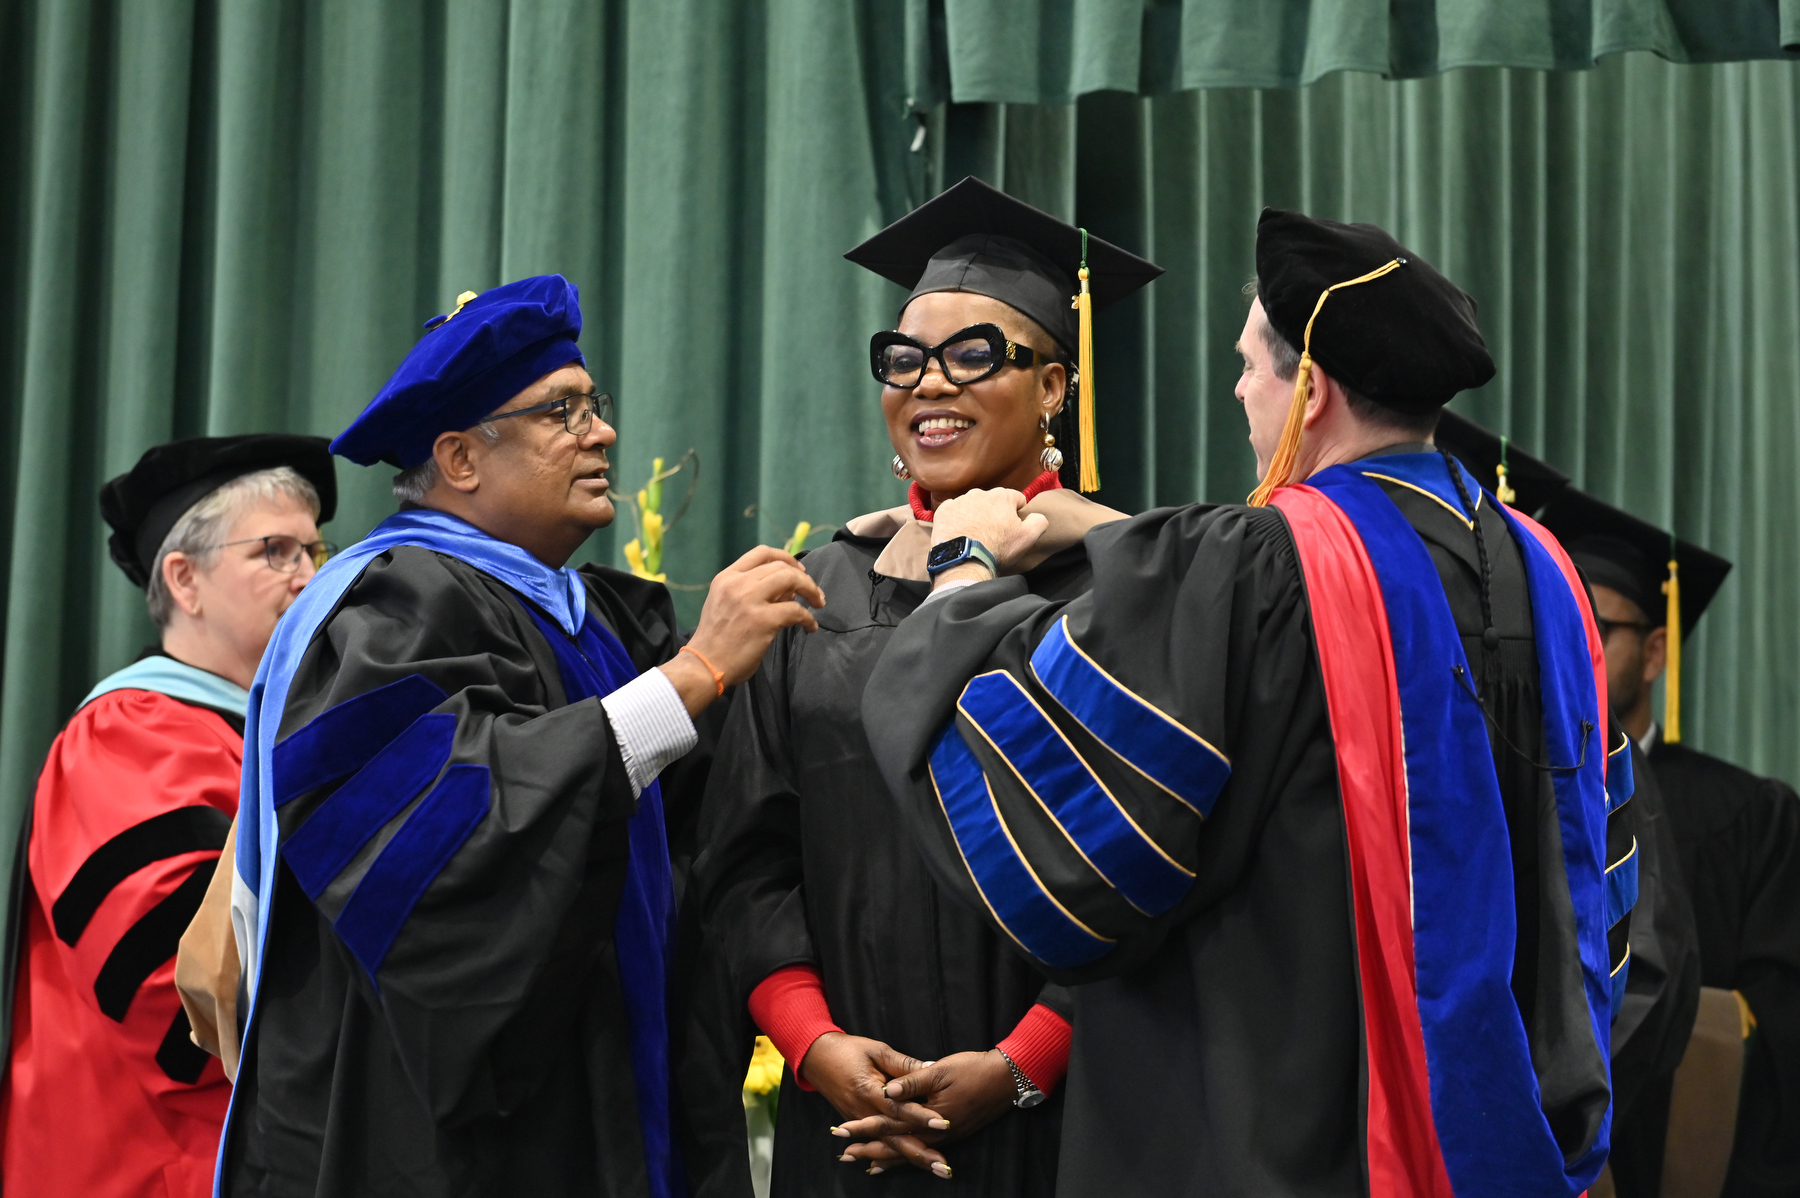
{"x":1407,"y":340}
{"x":143,"y":505}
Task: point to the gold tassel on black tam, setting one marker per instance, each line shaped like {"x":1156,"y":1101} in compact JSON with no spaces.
{"x":1287,"y":450}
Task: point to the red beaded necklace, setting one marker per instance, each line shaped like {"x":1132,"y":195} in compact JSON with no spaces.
{"x":917,"y":496}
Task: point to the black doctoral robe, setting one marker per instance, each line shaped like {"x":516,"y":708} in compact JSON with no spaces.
{"x":1738,"y":837}
{"x":805,"y":859}
{"x":1218,"y":1048}
{"x":496,"y":1057}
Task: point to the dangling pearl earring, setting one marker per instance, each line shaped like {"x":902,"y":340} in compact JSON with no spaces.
{"x":1052,"y":456}
{"x":900,"y":470}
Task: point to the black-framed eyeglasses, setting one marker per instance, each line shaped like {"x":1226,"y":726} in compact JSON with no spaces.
{"x":283,"y":552}
{"x":578,"y":412}
{"x":966,"y":356}
{"x":1606,"y":626}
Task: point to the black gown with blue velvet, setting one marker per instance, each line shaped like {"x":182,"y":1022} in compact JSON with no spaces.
{"x":491,"y":1053}
{"x":1218,"y":1047}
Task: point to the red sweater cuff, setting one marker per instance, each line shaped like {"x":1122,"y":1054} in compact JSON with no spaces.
{"x":789,"y":1006}
{"x":1040,"y":1047}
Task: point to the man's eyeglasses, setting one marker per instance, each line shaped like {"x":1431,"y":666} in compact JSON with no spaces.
{"x":1607,"y":626}
{"x":967,"y":356}
{"x":578,"y":412}
{"x":283,"y":553}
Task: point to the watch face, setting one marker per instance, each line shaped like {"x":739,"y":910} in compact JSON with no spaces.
{"x":949,"y":552}
{"x":1029,"y":1099}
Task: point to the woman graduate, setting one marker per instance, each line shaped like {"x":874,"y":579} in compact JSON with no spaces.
{"x":816,"y":917}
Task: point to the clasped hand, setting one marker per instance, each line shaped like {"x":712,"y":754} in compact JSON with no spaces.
{"x":992,"y":517}
{"x":897,"y":1108}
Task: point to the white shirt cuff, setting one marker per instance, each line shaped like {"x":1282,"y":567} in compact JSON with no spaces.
{"x":956,"y":584}
{"x":651,"y":724}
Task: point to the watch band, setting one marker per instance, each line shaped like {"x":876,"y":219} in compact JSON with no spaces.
{"x":1029,"y":1095}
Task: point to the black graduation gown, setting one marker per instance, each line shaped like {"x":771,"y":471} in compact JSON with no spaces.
{"x":496,"y":1060}
{"x":1738,"y":836}
{"x":1218,"y":1048}
{"x":1662,"y":994}
{"x":805,"y":859}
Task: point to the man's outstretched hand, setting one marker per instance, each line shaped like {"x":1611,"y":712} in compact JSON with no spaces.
{"x":748,"y":602}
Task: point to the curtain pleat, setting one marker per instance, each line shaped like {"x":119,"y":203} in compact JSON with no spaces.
{"x":225,"y":217}
{"x":1056,"y":51}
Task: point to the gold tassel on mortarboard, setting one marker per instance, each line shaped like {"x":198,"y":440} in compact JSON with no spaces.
{"x":1084,"y":365}
{"x":1672,"y":696}
{"x":1504,"y":493}
{"x":1287,"y":450}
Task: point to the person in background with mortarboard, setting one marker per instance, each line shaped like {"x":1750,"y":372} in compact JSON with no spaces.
{"x":1306,"y":800}
{"x":817,"y":913}
{"x":1737,"y":835}
{"x":106,"y":1093}
{"x":453,"y":866}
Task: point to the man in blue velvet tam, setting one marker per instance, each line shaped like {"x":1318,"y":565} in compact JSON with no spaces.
{"x":453,"y":893}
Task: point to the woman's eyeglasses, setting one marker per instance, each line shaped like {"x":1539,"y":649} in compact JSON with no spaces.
{"x":967,"y":356}
{"x":578,"y":412}
{"x":283,"y":553}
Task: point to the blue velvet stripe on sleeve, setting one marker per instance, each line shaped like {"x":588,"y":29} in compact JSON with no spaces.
{"x":352,"y":814}
{"x":1110,"y":841}
{"x":1019,"y":901}
{"x":1619,"y":783}
{"x":432,"y":834}
{"x":1142,"y":736}
{"x":341,"y":740}
{"x":1622,"y":886}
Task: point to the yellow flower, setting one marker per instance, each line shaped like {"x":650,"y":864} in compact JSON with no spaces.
{"x":634,"y":556}
{"x":797,"y":542}
{"x":765,"y":1070}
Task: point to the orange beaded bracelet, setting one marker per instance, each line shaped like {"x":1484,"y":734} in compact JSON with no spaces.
{"x":718,"y":678}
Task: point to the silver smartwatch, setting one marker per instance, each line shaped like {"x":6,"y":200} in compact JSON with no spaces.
{"x":1029,"y":1095}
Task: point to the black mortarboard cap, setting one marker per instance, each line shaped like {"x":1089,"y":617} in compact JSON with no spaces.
{"x":977,"y":238}
{"x":1631,"y":556}
{"x":1534,"y":483}
{"x":143,"y":506}
{"x":1407,"y":340}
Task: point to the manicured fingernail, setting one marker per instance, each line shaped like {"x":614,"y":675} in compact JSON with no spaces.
{"x":939,"y":1124}
{"x":941,"y":1169}
{"x":874,"y":1169}
{"x":846,"y":1157}
{"x":838,"y":1131}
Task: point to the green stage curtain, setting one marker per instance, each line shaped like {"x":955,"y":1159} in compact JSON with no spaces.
{"x":1055,"y":51}
{"x":219,"y":216}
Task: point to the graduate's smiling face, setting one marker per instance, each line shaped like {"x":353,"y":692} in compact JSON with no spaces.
{"x":987,"y":433}
{"x":1264,"y":394}
{"x":527,"y":480}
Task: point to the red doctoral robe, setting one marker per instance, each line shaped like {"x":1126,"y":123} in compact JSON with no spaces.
{"x":105,"y":1095}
